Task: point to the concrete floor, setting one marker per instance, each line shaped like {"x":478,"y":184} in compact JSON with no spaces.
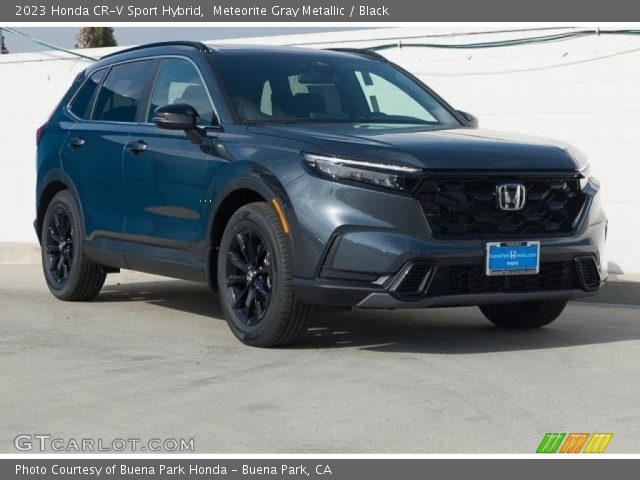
{"x":151,"y":358}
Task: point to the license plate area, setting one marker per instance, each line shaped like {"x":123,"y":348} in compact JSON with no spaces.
{"x":512,"y":258}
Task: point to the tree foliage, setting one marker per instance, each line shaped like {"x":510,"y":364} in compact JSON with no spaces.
{"x":96,"y":37}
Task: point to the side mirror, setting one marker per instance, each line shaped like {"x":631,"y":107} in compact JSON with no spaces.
{"x":177,"y":116}
{"x":471,"y":120}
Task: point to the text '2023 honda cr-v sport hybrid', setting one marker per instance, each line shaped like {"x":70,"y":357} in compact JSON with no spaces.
{"x":292,"y":179}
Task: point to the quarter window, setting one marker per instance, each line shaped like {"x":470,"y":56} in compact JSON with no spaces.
{"x":179,"y":82}
{"x":122,"y":91}
{"x":83,"y":101}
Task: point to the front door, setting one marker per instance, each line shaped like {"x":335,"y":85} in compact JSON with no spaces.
{"x":166,"y":175}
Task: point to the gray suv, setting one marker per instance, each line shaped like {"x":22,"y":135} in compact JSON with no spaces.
{"x":292,"y":179}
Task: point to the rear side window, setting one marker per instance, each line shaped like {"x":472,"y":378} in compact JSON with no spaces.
{"x":122,"y":91}
{"x":180,"y":82}
{"x":83,"y":101}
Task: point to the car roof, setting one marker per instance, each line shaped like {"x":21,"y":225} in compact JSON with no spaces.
{"x":190,"y":48}
{"x":250,"y":49}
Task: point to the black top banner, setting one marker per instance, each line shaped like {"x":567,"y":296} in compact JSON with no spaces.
{"x":297,"y":11}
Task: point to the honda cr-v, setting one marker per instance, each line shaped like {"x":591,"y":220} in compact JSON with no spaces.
{"x":291,"y":179}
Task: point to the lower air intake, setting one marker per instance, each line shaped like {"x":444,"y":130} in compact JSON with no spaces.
{"x":412,"y":280}
{"x":588,"y":273}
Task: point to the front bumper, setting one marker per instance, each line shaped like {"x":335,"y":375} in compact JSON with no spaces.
{"x":326,"y":295}
{"x":444,"y":274}
{"x":375,"y":237}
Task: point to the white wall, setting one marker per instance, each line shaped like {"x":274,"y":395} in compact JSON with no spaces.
{"x":585,"y":91}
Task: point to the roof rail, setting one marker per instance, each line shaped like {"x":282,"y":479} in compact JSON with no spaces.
{"x":199,"y":45}
{"x":360,"y":51}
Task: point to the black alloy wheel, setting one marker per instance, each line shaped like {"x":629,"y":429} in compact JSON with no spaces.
{"x":59,"y":245}
{"x":254,"y":273}
{"x":249,"y":276}
{"x":69,"y":273}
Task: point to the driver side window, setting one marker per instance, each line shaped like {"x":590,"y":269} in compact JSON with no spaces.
{"x":178,"y":81}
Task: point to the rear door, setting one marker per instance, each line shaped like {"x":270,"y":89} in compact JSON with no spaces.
{"x":94,"y":149}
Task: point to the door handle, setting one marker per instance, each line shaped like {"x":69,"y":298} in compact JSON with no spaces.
{"x":137,"y":147}
{"x":75,"y":143}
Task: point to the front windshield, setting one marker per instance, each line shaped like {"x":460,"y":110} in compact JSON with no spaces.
{"x":305,"y":88}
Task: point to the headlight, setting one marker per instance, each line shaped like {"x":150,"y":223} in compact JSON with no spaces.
{"x":585,"y":171}
{"x":397,"y":177}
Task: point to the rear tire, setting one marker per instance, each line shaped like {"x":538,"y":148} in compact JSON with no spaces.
{"x":523,"y":315}
{"x":254,"y":275}
{"x":69,"y":274}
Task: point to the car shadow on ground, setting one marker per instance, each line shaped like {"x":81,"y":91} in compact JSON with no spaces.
{"x":611,"y":316}
{"x":189,"y":297}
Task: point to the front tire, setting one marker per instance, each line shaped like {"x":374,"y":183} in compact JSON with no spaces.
{"x":69,"y":274}
{"x":254,"y":275}
{"x":523,"y":315}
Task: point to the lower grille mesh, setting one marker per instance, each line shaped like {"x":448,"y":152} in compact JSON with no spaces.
{"x":471,"y":279}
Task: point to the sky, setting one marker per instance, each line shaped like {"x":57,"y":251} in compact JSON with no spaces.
{"x":65,"y":36}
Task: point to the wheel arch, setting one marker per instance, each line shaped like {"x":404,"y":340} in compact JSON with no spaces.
{"x":55,"y":182}
{"x":237,"y":193}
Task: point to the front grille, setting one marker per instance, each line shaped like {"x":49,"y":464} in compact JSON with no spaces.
{"x":471,"y":279}
{"x":467,"y":207}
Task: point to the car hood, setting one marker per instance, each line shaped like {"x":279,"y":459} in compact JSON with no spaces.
{"x":450,"y":149}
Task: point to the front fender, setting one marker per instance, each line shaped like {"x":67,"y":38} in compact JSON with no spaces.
{"x":243,"y":176}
